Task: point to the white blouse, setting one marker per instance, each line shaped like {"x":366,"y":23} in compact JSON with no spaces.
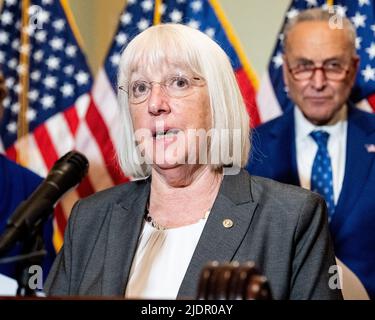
{"x":161,"y":261}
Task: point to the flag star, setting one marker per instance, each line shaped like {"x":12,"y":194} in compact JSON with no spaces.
{"x":371,"y":50}
{"x":38,"y":55}
{"x":67,"y":90}
{"x":359,"y":20}
{"x":12,"y":63}
{"x":4,"y":37}
{"x":373,"y":28}
{"x":47,"y":2}
{"x":53,"y":63}
{"x":15,"y":44}
{"x":292,"y":13}
{"x":341,"y":10}
{"x":9,"y":82}
{"x":17,"y":88}
{"x":126,"y":18}
{"x":56,"y":43}
{"x":196,"y":5}
{"x":69,"y":70}
{"x":59,"y":24}
{"x":143,"y":24}
{"x":33,"y":95}
{"x":121,"y":38}
{"x":35,"y":75}
{"x":43,"y":16}
{"x":176,"y":16}
{"x":311,"y":3}
{"x":31,"y":114}
{"x":15,"y":107}
{"x":82,"y":78}
{"x":47,"y":102}
{"x":41,"y":36}
{"x":210,"y":32}
{"x":147,"y":5}
{"x":29,"y":30}
{"x":21,"y":68}
{"x":6,"y":18}
{"x":25,"y":48}
{"x":6,"y":103}
{"x":71,"y":50}
{"x":163,"y":7}
{"x":12,"y":127}
{"x":363,"y":2}
{"x":181,"y":1}
{"x":10,"y":2}
{"x":193,"y":24}
{"x":130,"y":2}
{"x":115,"y":59}
{"x":277,"y":60}
{"x":50,"y":82}
{"x":2,"y":57}
{"x":358,"y":41}
{"x":368,"y":73}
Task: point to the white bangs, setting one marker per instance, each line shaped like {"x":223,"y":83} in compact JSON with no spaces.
{"x":159,"y":48}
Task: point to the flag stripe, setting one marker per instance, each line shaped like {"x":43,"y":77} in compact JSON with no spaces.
{"x":72,"y":119}
{"x":98,"y":173}
{"x":45,"y":146}
{"x":85,"y":188}
{"x":371,"y":101}
{"x":94,"y":121}
{"x":60,"y":134}
{"x":60,"y":219}
{"x":248,"y":94}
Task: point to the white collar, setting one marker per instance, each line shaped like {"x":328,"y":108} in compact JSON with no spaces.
{"x":304,"y":127}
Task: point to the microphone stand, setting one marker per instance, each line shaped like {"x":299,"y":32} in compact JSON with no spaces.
{"x":32,"y":244}
{"x":32,"y":253}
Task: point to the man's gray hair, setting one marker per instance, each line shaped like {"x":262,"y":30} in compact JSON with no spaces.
{"x":329,"y":15}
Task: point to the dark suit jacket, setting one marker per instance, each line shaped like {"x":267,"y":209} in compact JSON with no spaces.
{"x":353,"y":224}
{"x":282,"y":228}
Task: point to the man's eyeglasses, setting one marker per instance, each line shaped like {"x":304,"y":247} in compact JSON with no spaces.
{"x":175,"y":87}
{"x":332,"y":70}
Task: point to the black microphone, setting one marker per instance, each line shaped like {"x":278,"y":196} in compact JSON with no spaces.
{"x":66,"y":173}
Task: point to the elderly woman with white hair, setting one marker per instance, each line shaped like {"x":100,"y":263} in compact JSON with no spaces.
{"x":185,"y":141}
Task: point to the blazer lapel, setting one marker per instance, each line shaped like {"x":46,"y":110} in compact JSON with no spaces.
{"x":233,"y":202}
{"x":284,"y":140}
{"x":126,"y":223}
{"x":357,"y":167}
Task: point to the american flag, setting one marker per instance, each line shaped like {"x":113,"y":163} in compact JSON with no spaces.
{"x":49,"y":109}
{"x":272,"y":99}
{"x":205,"y":15}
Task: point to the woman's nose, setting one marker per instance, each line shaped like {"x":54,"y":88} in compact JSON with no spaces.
{"x":158,"y":100}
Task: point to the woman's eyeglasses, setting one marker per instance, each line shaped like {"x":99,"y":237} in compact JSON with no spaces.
{"x":175,"y":87}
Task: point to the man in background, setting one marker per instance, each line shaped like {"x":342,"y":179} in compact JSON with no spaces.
{"x":324,"y":143}
{"x":16,"y":184}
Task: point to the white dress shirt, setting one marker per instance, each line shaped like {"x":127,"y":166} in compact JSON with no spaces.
{"x":306,"y":148}
{"x":161,"y":261}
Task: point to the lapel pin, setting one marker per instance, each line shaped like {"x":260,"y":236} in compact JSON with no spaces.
{"x":370,"y":148}
{"x":227,"y":223}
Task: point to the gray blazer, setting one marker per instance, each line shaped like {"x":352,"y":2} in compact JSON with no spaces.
{"x":282,"y":228}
